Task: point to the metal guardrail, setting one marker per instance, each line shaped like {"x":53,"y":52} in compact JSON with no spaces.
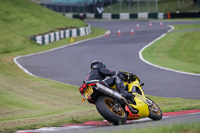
{"x":61,"y":34}
{"x":143,"y":15}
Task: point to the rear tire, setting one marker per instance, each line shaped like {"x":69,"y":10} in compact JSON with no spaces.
{"x":155,"y":112}
{"x":115,"y":115}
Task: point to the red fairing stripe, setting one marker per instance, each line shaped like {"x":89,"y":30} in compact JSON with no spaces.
{"x":91,"y":84}
{"x":132,"y":116}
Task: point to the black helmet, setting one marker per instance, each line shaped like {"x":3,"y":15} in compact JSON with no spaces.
{"x":97,"y":64}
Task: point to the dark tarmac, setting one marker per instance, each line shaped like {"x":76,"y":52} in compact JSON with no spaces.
{"x":71,"y":64}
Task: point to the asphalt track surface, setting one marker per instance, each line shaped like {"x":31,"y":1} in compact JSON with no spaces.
{"x":90,"y":127}
{"x":71,"y":64}
{"x":141,"y":124}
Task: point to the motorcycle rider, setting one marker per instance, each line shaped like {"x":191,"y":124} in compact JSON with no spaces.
{"x":108,"y":78}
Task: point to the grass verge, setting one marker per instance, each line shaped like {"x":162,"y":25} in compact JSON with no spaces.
{"x":27,"y":102}
{"x":186,"y":27}
{"x":173,"y":128}
{"x":177,"y":50}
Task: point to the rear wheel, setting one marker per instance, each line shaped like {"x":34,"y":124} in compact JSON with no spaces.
{"x":155,"y":112}
{"x":110,"y":110}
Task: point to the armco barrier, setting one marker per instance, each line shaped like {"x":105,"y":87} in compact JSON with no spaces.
{"x":58,"y":35}
{"x":119,"y":16}
{"x":144,"y":15}
{"x":185,"y":15}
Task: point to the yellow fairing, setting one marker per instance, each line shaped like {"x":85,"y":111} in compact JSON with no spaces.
{"x":140,"y":99}
{"x":142,"y":107}
{"x":141,"y":103}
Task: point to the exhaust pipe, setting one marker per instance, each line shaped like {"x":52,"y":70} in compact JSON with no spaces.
{"x":114,"y":94}
{"x":108,"y":91}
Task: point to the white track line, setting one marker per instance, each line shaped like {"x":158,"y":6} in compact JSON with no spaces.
{"x":141,"y":57}
{"x":26,"y":71}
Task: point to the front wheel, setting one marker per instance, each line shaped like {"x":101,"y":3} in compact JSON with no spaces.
{"x":155,"y":112}
{"x":110,"y":110}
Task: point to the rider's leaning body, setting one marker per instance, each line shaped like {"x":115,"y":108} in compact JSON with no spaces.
{"x":107,"y":77}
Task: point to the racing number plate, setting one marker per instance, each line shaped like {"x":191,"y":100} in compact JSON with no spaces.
{"x":88,"y":92}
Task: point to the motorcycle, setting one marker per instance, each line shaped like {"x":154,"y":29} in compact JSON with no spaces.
{"x":114,"y":107}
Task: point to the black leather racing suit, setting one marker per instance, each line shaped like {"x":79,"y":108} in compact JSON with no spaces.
{"x":109,"y":78}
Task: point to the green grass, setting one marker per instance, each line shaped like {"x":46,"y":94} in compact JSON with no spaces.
{"x":21,"y":19}
{"x":175,"y":104}
{"x":177,"y":50}
{"x":172,"y":128}
{"x":163,"y":6}
{"x":186,"y":27}
{"x":30,"y":102}
{"x":27,"y":102}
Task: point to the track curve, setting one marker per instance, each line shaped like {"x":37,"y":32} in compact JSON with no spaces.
{"x":71,"y":64}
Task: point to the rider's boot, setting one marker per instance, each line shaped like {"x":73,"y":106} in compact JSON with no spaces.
{"x":129,"y":96}
{"x":124,"y":93}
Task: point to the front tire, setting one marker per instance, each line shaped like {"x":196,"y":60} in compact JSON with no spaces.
{"x":108,"y":110}
{"x":155,"y":112}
